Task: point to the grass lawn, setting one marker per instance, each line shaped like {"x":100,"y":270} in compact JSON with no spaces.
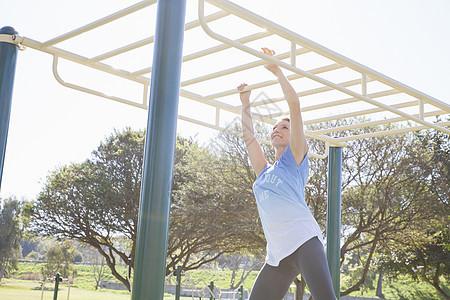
{"x":31,"y":290}
{"x":402,"y":288}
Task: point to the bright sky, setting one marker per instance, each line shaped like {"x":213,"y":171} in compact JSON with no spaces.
{"x":51,"y":126}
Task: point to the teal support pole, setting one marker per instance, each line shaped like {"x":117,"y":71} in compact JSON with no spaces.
{"x":177,"y":273}
{"x":334,"y":216}
{"x":153,"y":225}
{"x":8,"y":59}
{"x":211,"y":287}
{"x":58,"y":279}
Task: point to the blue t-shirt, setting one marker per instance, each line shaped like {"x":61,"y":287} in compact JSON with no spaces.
{"x":285,"y":217}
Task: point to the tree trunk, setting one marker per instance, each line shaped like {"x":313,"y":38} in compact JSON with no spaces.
{"x":2,"y":271}
{"x":379,"y":292}
{"x":300,"y":288}
{"x":357,"y":285}
{"x":98,"y":272}
{"x":435,"y":281}
{"x":441,"y":291}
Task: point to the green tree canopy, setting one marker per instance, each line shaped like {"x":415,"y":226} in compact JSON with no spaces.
{"x":59,"y":258}
{"x":10,"y":235}
{"x":423,"y":250}
{"x":96,"y":202}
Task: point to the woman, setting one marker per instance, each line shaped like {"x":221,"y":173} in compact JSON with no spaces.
{"x":294,"y":239}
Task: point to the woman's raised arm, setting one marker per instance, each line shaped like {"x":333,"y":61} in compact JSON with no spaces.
{"x":254,"y":150}
{"x":297,"y":141}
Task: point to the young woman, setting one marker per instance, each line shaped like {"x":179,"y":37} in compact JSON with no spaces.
{"x":294,"y":239}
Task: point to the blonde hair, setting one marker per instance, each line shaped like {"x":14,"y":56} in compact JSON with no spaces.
{"x":284,"y":119}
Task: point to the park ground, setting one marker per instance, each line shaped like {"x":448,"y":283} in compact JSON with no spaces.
{"x":31,"y":290}
{"x":17,"y":287}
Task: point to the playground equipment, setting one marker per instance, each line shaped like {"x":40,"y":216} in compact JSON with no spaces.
{"x":331,"y":86}
{"x":200,"y":289}
{"x":57,"y":280}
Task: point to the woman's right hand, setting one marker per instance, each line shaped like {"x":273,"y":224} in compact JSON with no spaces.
{"x":270,"y":66}
{"x":245,"y":96}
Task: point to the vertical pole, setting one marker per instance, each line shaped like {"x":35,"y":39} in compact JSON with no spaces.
{"x":8,"y":59}
{"x":178,"y":287}
{"x":57,"y":280}
{"x":211,"y":288}
{"x":153,"y":227}
{"x":334,"y":216}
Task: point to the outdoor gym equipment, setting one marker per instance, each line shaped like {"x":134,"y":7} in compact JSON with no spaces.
{"x":334,"y":88}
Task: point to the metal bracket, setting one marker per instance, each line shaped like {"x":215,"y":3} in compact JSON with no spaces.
{"x":12,"y":39}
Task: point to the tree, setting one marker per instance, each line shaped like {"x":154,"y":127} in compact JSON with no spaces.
{"x":96,"y":202}
{"x":209,"y":213}
{"x":31,"y":249}
{"x":96,"y":261}
{"x":59,"y":258}
{"x":437,"y":145}
{"x":241,"y":266}
{"x":424,"y":252}
{"x":426,"y":261}
{"x":10,"y":235}
{"x":384,"y":198}
{"x":382,"y":195}
{"x":386,"y":190}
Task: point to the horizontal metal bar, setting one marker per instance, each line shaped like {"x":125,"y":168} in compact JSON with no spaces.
{"x":327,"y":88}
{"x":151,"y":39}
{"x":142,"y":71}
{"x":142,"y":105}
{"x":211,"y":50}
{"x":309,"y":93}
{"x":360,"y":113}
{"x":319,"y":70}
{"x":90,"y":91}
{"x":200,"y":99}
{"x":306,"y":74}
{"x":123,"y":49}
{"x":340,"y":102}
{"x":349,"y":100}
{"x":235,"y":69}
{"x":227,"y":130}
{"x":331,"y":140}
{"x":375,"y":123}
{"x":258,"y":117}
{"x":389,"y":132}
{"x":222,"y":47}
{"x":317,"y":48}
{"x":83,"y":61}
{"x":100,"y":22}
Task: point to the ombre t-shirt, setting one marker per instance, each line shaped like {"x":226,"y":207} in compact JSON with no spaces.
{"x":285,"y":217}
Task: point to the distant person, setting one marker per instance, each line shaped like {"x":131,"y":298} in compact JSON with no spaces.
{"x":294,"y":239}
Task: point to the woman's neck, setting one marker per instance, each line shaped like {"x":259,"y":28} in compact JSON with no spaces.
{"x":279,"y":151}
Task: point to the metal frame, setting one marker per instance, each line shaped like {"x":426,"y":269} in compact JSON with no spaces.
{"x":410,"y":110}
{"x":413,"y":113}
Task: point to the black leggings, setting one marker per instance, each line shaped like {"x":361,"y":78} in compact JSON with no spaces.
{"x":309,"y":260}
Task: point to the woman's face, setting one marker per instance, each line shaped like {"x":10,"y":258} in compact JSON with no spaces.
{"x":281,"y":133}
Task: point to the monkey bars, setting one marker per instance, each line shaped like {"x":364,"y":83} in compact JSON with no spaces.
{"x":331,"y":87}
{"x":340,"y":98}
